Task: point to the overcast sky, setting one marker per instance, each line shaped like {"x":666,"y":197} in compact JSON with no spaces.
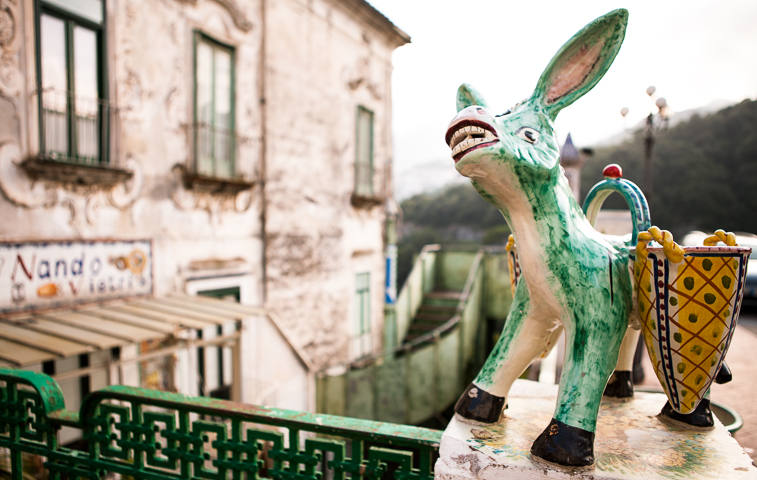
{"x":694,"y":52}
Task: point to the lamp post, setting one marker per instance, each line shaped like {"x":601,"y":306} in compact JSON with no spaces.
{"x":655,"y":122}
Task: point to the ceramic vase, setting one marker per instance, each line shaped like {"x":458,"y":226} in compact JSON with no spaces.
{"x":688,"y":313}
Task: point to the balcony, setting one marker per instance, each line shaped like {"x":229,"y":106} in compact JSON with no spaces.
{"x":213,"y":165}
{"x":364,"y":196}
{"x":74,"y":129}
{"x":74,"y":141}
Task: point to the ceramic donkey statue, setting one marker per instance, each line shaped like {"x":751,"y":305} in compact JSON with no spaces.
{"x":576,"y":279}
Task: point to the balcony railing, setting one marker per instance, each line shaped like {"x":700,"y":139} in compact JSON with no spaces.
{"x":74,"y":129}
{"x":215,"y":150}
{"x":151,"y":435}
{"x":364,"y":179}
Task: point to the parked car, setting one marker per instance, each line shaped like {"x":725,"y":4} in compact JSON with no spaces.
{"x":696,"y":238}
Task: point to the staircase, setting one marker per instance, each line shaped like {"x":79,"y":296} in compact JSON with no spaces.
{"x":434,"y":339}
{"x":436,"y":310}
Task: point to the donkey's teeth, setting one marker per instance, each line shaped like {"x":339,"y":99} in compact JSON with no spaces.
{"x":466,"y":132}
{"x":460,"y":144}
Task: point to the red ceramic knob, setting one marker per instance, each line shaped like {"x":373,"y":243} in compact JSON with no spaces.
{"x":613,"y":170}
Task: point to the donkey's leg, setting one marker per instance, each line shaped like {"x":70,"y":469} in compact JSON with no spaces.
{"x":591,"y":355}
{"x":524,"y":338}
{"x":620,"y":385}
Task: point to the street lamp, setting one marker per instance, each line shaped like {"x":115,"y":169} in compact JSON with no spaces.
{"x":656,"y":122}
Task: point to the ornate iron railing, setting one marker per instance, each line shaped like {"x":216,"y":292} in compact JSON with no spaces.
{"x":75,"y":129}
{"x":151,"y":435}
{"x":215,"y":150}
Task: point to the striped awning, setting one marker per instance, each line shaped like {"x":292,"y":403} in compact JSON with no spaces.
{"x":32,"y":338}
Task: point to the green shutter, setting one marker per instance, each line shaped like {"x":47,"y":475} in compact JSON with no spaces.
{"x":215,"y":141}
{"x":362,"y":327}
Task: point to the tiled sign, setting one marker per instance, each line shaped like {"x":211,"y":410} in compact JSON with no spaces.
{"x":37,"y":275}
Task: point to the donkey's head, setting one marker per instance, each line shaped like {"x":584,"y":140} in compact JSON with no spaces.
{"x":514,"y":149}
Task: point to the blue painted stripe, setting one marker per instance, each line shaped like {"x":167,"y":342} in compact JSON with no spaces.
{"x":666,"y":270}
{"x":665,"y":346}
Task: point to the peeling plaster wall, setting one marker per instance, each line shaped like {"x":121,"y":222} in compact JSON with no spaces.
{"x":322,"y":62}
{"x":150,"y":77}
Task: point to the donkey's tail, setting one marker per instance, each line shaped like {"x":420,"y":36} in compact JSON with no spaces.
{"x":637,"y":203}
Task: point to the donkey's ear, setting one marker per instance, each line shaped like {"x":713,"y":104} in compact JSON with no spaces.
{"x":467,"y":96}
{"x":581,"y":62}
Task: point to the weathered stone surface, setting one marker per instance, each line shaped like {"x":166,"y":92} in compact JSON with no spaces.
{"x":317,"y":239}
{"x":150,"y":73}
{"x":630,"y":443}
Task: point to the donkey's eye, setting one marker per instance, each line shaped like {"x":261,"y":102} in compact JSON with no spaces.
{"x":528,"y":134}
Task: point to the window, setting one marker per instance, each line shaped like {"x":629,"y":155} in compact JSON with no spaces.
{"x":214,"y":139}
{"x":362,"y":340}
{"x":71,"y":79}
{"x":364,"y":153}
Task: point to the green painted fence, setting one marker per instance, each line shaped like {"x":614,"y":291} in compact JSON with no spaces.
{"x":152,"y":435}
{"x":410,"y":383}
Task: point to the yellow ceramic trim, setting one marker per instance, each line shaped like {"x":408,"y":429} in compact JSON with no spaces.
{"x":671,"y":249}
{"x":721,"y":236}
{"x":510,"y":243}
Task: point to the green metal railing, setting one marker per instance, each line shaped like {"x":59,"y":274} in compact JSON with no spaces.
{"x":151,"y":435}
{"x":416,"y":380}
{"x":75,"y":129}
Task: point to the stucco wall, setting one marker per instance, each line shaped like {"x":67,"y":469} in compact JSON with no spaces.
{"x":150,"y":78}
{"x":322,"y":62}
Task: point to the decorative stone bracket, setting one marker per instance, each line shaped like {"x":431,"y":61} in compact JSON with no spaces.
{"x":240,"y":20}
{"x":214,"y":195}
{"x":89,"y":175}
{"x":205,"y":184}
{"x":38,"y":183}
{"x":360,"y":75}
{"x":10,"y":42}
{"x":366,"y":201}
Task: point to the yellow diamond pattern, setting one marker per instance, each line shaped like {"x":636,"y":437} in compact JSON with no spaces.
{"x":701,"y":293}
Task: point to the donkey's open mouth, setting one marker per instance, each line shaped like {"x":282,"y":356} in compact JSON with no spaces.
{"x":467,"y":136}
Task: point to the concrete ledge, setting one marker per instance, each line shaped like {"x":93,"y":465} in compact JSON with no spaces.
{"x":78,"y":174}
{"x":631,"y":443}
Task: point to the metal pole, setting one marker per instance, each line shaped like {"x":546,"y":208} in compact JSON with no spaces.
{"x":648,"y":146}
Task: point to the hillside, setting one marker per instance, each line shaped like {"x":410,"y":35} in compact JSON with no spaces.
{"x":704,"y":172}
{"x":678,"y":118}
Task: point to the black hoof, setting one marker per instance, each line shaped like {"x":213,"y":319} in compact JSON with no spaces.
{"x":564,"y":445}
{"x":700,"y":419}
{"x":724,"y":375}
{"x":479,"y":406}
{"x":620,"y":385}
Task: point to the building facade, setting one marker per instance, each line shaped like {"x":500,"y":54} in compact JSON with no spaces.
{"x":328,"y":172}
{"x":248,"y":141}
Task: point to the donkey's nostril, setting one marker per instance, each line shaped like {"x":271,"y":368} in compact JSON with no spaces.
{"x":480,"y":111}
